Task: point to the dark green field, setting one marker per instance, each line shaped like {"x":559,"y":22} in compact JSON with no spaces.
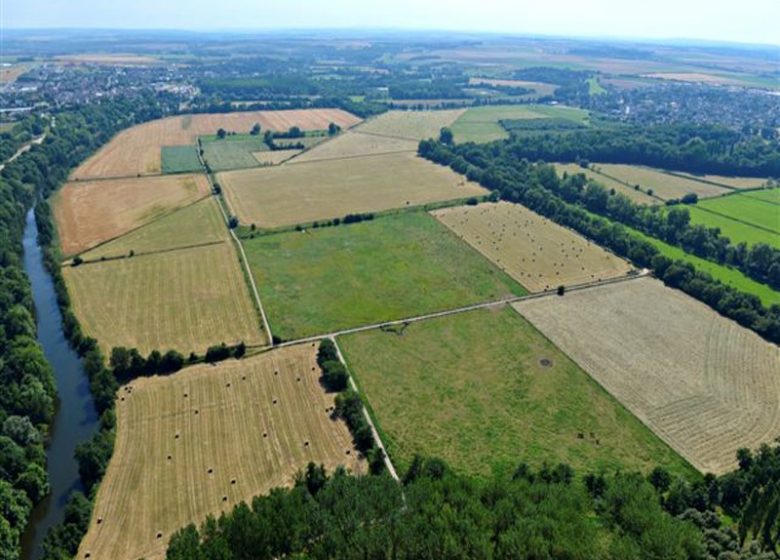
{"x":484,"y":390}
{"x":180,"y":159}
{"x":393,"y":267}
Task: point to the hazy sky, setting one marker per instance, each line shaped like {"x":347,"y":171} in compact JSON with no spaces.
{"x":754,"y":21}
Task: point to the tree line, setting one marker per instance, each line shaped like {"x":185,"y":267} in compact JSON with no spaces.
{"x":537,"y":187}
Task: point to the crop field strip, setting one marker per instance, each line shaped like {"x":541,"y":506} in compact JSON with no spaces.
{"x":289,"y":194}
{"x":723,"y":181}
{"x":481,"y":124}
{"x":200,"y":223}
{"x":756,"y":212}
{"x":410,"y":125}
{"x":88,"y":213}
{"x":665,"y":186}
{"x":638,"y":196}
{"x":704,"y":384}
{"x":180,"y":159}
{"x":137,"y":150}
{"x":274,"y":157}
{"x":484,"y":390}
{"x":328,"y":279}
{"x":184,"y":300}
{"x":356,"y":144}
{"x":533,"y":250}
{"x":206,"y":438}
{"x":735,"y":228}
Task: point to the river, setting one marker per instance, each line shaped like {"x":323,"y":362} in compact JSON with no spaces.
{"x":75,"y":419}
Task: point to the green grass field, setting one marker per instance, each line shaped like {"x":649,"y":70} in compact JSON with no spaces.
{"x":742,"y":218}
{"x":736,"y":231}
{"x":594,"y":87}
{"x":179,"y":159}
{"x":729,"y":276}
{"x":770,"y":195}
{"x":232,"y":152}
{"x":389,"y":268}
{"x":481,"y":124}
{"x":485,"y":391}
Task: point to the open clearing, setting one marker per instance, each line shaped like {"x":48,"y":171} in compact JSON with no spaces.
{"x":664,"y":185}
{"x":638,"y":196}
{"x":92,"y":212}
{"x":412,"y":125}
{"x":298,"y":194}
{"x":393,"y":267}
{"x":197,"y":224}
{"x":354,"y":144}
{"x":533,"y":250}
{"x":137,"y":150}
{"x":704,"y":384}
{"x":481,"y":124}
{"x":194,"y":444}
{"x":485,"y":391}
{"x":186,"y":300}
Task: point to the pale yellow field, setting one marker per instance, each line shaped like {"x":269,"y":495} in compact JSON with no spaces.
{"x":354,"y":144}
{"x":186,"y":300}
{"x":637,"y":196}
{"x":539,"y":87}
{"x":109,"y":59}
{"x":536,"y":252}
{"x":412,"y":125}
{"x":701,"y":382}
{"x":664,"y":185}
{"x":274,"y":157}
{"x":297,"y":194}
{"x":735,"y":182}
{"x":196,"y":224}
{"x":200,"y":441}
{"x":136,"y":150}
{"x":695,"y":77}
{"x":91,"y":212}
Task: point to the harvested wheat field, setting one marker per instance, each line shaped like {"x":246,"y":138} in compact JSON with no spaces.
{"x":137,"y":150}
{"x":733,"y":182}
{"x":298,"y":194}
{"x":412,"y":125}
{"x":186,"y":300}
{"x":664,"y":185}
{"x":355,"y":144}
{"x":197,"y":224}
{"x":274,"y":157}
{"x":206,"y":438}
{"x":93,"y":212}
{"x":704,"y":384}
{"x":636,"y":195}
{"x":536,"y":252}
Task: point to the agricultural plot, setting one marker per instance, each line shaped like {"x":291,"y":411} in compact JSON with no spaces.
{"x":485,"y":391}
{"x":733,"y":182}
{"x":233,"y":152}
{"x":393,"y":267}
{"x":274,"y":157}
{"x":482,"y":124}
{"x":762,"y":216}
{"x":185,"y":300}
{"x":738,"y":229}
{"x":768,"y":195}
{"x":137,"y":150}
{"x":201,"y":441}
{"x":704,"y":384}
{"x":533,"y":250}
{"x":286,"y":195}
{"x":540,"y":89}
{"x":411,"y":125}
{"x":355,"y":144}
{"x":636,"y":195}
{"x":663,"y":185}
{"x":197,"y":224}
{"x":93,"y":212}
{"x":179,"y":159}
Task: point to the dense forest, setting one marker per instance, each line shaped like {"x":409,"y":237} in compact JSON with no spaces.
{"x":549,"y":512}
{"x":26,"y":407}
{"x":566,"y":201}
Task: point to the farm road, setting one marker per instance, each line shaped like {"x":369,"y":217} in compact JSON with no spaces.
{"x":23,"y":149}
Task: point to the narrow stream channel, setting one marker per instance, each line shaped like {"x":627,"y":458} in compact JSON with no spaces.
{"x":76,"y":419}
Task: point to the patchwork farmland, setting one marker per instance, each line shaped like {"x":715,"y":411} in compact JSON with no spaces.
{"x":393,"y":267}
{"x":199,"y":442}
{"x":536,"y":252}
{"x":287,"y":195}
{"x":186,"y":300}
{"x":484,"y":390}
{"x":704,"y":384}
{"x":481,"y":124}
{"x":93,"y":212}
{"x":137,"y":150}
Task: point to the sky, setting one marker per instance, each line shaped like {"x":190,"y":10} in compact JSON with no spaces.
{"x":746,"y":21}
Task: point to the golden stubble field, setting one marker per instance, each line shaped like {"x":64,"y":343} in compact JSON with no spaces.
{"x":701,"y":382}
{"x":93,"y":212}
{"x":638,"y":196}
{"x":136,"y":150}
{"x":200,"y":441}
{"x":664,"y":185}
{"x":536,"y":252}
{"x":186,"y":300}
{"x":297,"y":194}
{"x":355,"y":144}
{"x":411,"y":125}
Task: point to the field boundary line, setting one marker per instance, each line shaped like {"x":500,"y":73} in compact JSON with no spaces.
{"x":733,"y":219}
{"x":374,"y":431}
{"x":484,"y":305}
{"x":393,"y":136}
{"x":747,"y":194}
{"x":151,"y":253}
{"x":242,"y":258}
{"x":626,"y":184}
{"x":292,"y":161}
